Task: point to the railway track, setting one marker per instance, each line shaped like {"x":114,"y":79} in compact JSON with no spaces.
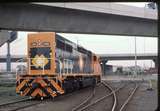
{"x":122,"y":102}
{"x":114,"y":93}
{"x":18,"y":105}
{"x":86,"y":100}
{"x":81,"y":106}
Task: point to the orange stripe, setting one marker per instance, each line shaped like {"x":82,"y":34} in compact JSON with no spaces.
{"x":51,"y":92}
{"x":57,"y":86}
{"x":38,"y":91}
{"x":43,"y":84}
{"x":21,"y":85}
{"x":40,"y":81}
{"x":25,"y":91}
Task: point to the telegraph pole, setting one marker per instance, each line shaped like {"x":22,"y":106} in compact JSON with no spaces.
{"x":135,"y":57}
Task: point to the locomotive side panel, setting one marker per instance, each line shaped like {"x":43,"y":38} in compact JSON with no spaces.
{"x":72,"y":58}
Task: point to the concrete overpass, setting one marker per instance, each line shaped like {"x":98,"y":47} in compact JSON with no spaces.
{"x":104,"y":58}
{"x":14,"y":58}
{"x":91,"y":18}
{"x":128,"y":56}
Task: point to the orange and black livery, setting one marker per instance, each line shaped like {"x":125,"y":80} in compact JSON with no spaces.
{"x":56,"y":66}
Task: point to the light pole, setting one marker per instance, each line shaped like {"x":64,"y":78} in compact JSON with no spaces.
{"x":135,"y":70}
{"x":144,"y":54}
{"x":8,"y":57}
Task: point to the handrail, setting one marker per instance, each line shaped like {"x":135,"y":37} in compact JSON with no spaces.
{"x":65,"y":64}
{"x":29,"y":64}
{"x":22,"y":70}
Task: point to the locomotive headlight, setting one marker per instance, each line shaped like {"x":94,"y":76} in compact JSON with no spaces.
{"x":40,"y":61}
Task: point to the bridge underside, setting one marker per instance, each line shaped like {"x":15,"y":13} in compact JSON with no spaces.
{"x":129,"y":58}
{"x":104,"y":60}
{"x":34,"y":17}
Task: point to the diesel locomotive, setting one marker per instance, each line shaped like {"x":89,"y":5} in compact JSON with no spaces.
{"x":56,"y":66}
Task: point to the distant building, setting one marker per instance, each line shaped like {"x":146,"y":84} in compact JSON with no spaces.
{"x":132,"y":70}
{"x":108,"y":69}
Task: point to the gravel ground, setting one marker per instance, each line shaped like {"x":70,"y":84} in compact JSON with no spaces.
{"x":63,"y":103}
{"x":123,"y":94}
{"x":117,"y":77}
{"x":144,"y":100}
{"x":17,"y":106}
{"x":107,"y":103}
{"x":68,"y":102}
{"x":101,"y":91}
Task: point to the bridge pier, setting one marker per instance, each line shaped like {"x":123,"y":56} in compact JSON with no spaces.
{"x":8,"y":59}
{"x":155,"y":62}
{"x":13,"y":36}
{"x":103,"y":65}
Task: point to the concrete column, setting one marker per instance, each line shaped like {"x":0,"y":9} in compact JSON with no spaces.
{"x":8,"y":58}
{"x":103,"y":64}
{"x":155,"y":62}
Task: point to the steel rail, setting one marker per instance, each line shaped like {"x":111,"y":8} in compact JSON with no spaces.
{"x":85,"y":101}
{"x":100,"y":99}
{"x":129,"y":98}
{"x":18,"y":101}
{"x":26,"y":106}
{"x":114,"y":95}
{"x":13,"y":102}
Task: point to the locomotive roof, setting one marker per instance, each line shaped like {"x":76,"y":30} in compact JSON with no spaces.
{"x":64,"y":39}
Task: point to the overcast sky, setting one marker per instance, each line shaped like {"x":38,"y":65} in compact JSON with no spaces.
{"x":100,"y":44}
